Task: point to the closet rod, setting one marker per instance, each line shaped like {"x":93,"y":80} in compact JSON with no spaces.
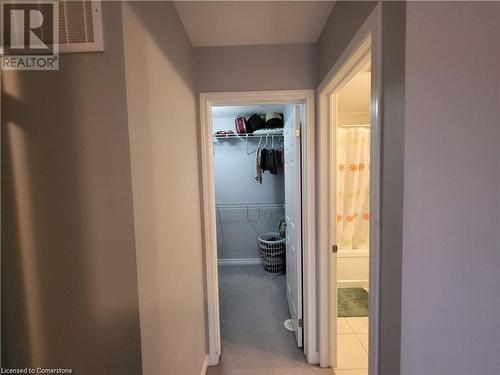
{"x":245,"y":136}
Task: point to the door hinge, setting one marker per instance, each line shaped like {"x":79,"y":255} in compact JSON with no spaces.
{"x":301,"y":323}
{"x":297,"y":132}
{"x":335,"y":249}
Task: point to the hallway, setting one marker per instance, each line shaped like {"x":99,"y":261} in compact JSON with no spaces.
{"x":253,"y":308}
{"x":147,"y":145}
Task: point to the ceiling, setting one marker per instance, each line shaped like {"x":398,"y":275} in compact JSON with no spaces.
{"x":231,"y":23}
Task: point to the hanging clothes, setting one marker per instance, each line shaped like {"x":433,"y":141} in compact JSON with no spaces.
{"x":263,"y":159}
{"x":258,"y":168}
{"x":270,"y":166}
{"x":276,"y":162}
{"x":271,"y":160}
{"x":282,"y":159}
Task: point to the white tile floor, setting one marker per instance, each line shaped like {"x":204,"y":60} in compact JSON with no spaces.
{"x":352,"y":343}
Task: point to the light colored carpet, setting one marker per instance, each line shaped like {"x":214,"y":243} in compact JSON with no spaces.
{"x":253,"y":308}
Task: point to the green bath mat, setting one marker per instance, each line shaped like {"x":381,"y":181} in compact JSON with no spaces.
{"x":352,"y":302}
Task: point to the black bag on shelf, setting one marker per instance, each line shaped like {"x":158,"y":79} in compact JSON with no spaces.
{"x":274,"y":120}
{"x":255,"y":122}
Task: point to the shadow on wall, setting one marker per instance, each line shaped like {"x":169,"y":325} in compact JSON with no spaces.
{"x":69,"y":284}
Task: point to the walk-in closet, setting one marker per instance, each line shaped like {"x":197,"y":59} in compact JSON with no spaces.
{"x":257,"y":178}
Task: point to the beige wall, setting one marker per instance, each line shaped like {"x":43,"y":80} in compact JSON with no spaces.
{"x":69,"y":282}
{"x":353,"y":100}
{"x":342,"y":25}
{"x":265,"y":67}
{"x":161,"y":97}
{"x":451,"y":308}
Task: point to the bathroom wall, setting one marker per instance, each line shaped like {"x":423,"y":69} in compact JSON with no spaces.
{"x":354,"y":100}
{"x":234,"y":171}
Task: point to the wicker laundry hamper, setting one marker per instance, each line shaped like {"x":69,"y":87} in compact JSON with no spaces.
{"x":272,"y":252}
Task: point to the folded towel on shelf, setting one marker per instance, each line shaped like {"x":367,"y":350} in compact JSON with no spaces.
{"x":223,"y":133}
{"x":278,"y":131}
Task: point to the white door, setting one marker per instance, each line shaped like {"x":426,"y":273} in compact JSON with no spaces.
{"x":293,"y":218}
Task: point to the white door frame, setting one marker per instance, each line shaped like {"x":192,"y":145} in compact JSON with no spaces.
{"x":207,"y":101}
{"x":366,"y":41}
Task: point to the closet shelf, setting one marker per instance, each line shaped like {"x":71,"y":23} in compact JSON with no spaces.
{"x":246,"y":136}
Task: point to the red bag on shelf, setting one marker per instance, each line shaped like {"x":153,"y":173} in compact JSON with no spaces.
{"x":240,"y":124}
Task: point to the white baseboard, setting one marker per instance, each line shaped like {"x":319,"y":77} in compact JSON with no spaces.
{"x":313,"y":359}
{"x":213,"y":358}
{"x":204,"y":366}
{"x":352,"y":284}
{"x":238,"y":261}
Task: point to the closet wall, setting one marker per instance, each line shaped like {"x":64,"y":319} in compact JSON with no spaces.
{"x":244,"y":208}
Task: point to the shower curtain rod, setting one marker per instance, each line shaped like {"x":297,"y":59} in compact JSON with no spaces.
{"x":354,"y":126}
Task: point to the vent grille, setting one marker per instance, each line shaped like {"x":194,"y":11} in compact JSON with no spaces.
{"x":80,"y":25}
{"x":76,"y":22}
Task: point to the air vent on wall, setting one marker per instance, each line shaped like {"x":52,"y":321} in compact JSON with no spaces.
{"x":80,"y":26}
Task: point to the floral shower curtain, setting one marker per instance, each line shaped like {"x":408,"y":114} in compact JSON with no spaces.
{"x":353,"y":188}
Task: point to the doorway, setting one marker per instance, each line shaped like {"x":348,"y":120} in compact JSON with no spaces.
{"x":350,"y":180}
{"x":241,"y":233}
{"x":349,"y":152}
